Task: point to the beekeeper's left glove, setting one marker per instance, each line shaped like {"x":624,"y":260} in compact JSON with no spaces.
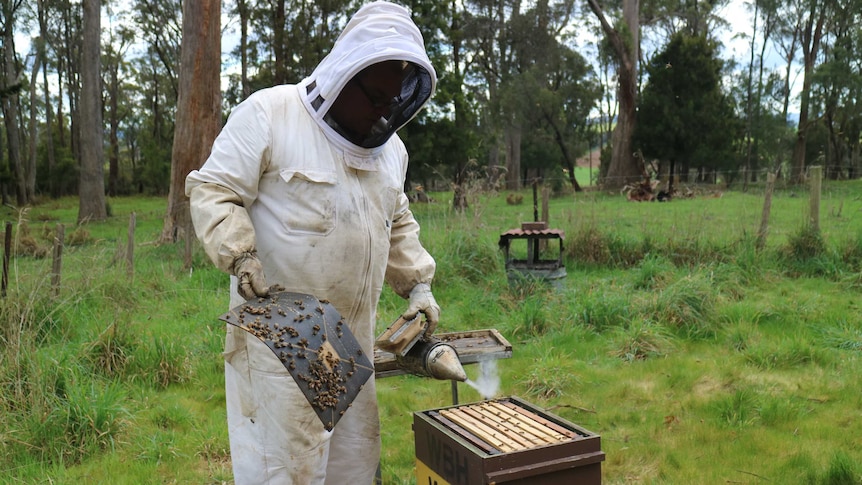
{"x":422,"y":301}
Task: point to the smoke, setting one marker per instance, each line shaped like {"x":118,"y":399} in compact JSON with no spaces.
{"x":487,"y":383}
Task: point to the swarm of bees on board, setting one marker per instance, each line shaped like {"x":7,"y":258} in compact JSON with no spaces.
{"x":314,"y":344}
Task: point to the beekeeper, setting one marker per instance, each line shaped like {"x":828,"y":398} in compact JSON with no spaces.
{"x":304,"y":189}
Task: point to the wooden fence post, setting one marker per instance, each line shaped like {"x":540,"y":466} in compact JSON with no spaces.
{"x":814,"y":198}
{"x":7,"y":250}
{"x":57,"y":264}
{"x":130,"y":247}
{"x":546,"y":196}
{"x":767,"y":208}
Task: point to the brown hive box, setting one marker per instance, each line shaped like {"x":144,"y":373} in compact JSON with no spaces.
{"x":503,"y":441}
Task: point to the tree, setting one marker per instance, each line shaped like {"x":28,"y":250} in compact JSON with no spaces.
{"x":810,"y":36}
{"x":91,"y":188}
{"x":157,"y":90}
{"x":120,"y":39}
{"x":838,"y":85}
{"x":557,"y":92}
{"x":756,"y":122}
{"x":42,"y":47}
{"x":198,"y":106}
{"x":684,"y":116}
{"x":9,"y":89}
{"x":625,"y":41}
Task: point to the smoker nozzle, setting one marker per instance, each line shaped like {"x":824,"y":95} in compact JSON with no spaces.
{"x":433,"y":358}
{"x":443,"y":363}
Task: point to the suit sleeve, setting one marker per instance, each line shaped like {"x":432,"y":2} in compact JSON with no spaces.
{"x":409,"y":262}
{"x":226,"y":186}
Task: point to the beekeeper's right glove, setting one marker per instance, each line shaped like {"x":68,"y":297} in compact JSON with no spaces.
{"x":249,"y":271}
{"x":421,"y":300}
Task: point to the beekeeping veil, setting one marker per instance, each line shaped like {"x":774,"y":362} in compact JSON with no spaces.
{"x":379,"y":31}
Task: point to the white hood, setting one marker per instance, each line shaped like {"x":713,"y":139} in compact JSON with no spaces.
{"x":379,"y":31}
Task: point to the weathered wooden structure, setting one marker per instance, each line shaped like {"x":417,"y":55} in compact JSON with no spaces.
{"x":539,"y":260}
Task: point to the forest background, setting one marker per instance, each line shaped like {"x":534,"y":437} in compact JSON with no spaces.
{"x":525,"y":89}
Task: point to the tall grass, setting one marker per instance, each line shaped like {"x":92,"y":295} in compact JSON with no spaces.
{"x":697,"y":357}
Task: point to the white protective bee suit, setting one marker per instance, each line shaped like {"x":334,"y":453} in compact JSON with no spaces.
{"x":326,"y":217}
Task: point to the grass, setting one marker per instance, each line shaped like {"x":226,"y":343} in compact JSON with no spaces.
{"x":697,"y":357}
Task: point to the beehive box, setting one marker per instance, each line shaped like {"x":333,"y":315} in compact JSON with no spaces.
{"x":503,"y":441}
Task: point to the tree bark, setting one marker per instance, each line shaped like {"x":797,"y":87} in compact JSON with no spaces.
{"x":91,"y":188}
{"x":30,"y":167}
{"x":810,"y":46}
{"x":279,"y":47}
{"x":567,"y":159}
{"x":114,"y":122}
{"x":459,"y":199}
{"x":243,"y":9}
{"x":49,"y":122}
{"x":9,"y":95}
{"x":198,"y":107}
{"x":624,"y":167}
{"x":513,"y":157}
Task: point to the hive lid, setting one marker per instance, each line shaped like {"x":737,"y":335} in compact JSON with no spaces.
{"x":313,"y":343}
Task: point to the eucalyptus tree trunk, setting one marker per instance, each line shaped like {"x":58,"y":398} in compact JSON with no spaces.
{"x":513,"y":156}
{"x":49,"y":122}
{"x":71,"y":62}
{"x":513,"y":130}
{"x":243,"y":10}
{"x":91,"y":188}
{"x":114,"y":123}
{"x":33,"y":137}
{"x":278,"y":26}
{"x":9,"y":95}
{"x":459,"y":200}
{"x":198,"y":107}
{"x":624,"y":166}
{"x":811,"y":37}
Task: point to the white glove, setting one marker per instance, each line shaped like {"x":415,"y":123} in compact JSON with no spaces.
{"x":252,"y":282}
{"x":422,"y":301}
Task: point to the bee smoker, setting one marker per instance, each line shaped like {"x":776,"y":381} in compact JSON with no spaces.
{"x":432,"y":357}
{"x":419,"y":354}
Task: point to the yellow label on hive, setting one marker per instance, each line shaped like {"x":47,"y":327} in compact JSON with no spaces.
{"x":426,"y":476}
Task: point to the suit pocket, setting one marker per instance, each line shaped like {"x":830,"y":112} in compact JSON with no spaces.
{"x":310,"y":201}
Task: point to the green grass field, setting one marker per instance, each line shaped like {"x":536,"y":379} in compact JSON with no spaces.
{"x":697,"y":357}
